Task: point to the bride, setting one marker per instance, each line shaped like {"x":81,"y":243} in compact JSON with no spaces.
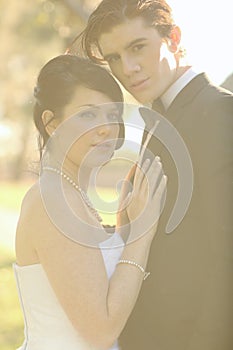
{"x":77,"y":284}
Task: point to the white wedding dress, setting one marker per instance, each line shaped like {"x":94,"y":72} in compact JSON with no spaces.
{"x":46,"y":326}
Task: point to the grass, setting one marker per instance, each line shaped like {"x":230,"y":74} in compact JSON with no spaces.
{"x":11,"y":322}
{"x":12,"y":193}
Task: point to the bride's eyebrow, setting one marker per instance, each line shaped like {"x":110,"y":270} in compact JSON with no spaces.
{"x":113,"y":108}
{"x":88,"y":105}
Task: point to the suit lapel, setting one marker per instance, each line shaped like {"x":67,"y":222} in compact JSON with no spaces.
{"x":186,"y":95}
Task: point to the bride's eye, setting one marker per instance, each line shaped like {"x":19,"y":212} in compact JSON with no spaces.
{"x":88,"y":115}
{"x":113,"y":116}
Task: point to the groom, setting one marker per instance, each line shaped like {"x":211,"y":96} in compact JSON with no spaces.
{"x":187,"y":303}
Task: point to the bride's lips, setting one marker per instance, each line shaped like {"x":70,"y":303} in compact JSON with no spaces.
{"x":141,"y":84}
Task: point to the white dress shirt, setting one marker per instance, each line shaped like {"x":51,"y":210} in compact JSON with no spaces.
{"x":177,"y":86}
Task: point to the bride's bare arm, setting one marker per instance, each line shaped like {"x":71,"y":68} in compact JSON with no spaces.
{"x":97,"y":307}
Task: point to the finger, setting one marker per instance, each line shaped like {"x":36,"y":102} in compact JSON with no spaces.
{"x":125,"y":202}
{"x":140,"y":171}
{"x":161,"y":189}
{"x":154,"y":174}
{"x":154,"y":205}
{"x":131,"y":173}
{"x":158,"y":200}
{"x":127,"y":183}
{"x":155,"y":167}
{"x":140,"y":175}
{"x":151,"y":178}
{"x":149,"y":136}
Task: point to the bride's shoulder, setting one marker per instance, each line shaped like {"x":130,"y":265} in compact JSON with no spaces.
{"x":32,"y":203}
{"x":31,"y":223}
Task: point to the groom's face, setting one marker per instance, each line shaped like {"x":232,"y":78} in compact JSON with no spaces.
{"x":139,"y":58}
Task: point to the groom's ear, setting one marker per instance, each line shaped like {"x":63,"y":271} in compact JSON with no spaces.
{"x":174,"y":39}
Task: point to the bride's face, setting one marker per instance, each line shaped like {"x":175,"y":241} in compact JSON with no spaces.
{"x":92,"y":116}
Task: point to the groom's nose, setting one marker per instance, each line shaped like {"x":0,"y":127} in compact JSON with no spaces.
{"x":129,"y":65}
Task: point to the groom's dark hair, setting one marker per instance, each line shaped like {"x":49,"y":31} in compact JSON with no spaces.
{"x":110,"y":13}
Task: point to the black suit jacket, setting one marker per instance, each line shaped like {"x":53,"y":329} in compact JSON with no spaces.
{"x":187,"y":302}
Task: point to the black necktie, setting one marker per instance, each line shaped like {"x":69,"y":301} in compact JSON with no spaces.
{"x":150,"y":117}
{"x":158,"y":106}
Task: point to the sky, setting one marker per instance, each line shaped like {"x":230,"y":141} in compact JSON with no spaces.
{"x":207,"y":34}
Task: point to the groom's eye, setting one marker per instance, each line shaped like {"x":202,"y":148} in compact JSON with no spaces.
{"x":112,"y":59}
{"x":137,"y":47}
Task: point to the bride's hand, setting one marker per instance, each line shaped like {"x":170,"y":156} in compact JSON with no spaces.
{"x":122,"y":216}
{"x":148,"y":189}
{"x":141,"y":205}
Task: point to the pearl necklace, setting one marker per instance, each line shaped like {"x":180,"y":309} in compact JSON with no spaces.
{"x":83,"y":194}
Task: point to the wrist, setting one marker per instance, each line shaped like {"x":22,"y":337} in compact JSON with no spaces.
{"x":139,"y":232}
{"x":145,"y":274}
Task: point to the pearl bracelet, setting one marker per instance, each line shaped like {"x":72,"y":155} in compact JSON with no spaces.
{"x":145,"y":274}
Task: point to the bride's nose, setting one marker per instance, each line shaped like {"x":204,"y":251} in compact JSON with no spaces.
{"x":104,"y":127}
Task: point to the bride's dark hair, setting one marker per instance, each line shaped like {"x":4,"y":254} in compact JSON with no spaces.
{"x":56,"y":85}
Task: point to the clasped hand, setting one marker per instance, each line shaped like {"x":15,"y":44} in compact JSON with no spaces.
{"x":142,"y":194}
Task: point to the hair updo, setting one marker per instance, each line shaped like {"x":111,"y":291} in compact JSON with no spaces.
{"x":56,"y":85}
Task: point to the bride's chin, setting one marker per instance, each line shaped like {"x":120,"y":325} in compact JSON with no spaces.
{"x":99,"y":162}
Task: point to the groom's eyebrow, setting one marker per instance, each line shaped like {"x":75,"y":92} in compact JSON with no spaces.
{"x":134,"y":42}
{"x":128,"y":46}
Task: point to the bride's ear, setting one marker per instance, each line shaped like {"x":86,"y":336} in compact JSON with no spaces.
{"x":49,"y":121}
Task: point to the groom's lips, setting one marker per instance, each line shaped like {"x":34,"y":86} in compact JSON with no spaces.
{"x":141,"y":84}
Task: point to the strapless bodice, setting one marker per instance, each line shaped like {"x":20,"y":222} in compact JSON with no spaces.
{"x":46,"y":324}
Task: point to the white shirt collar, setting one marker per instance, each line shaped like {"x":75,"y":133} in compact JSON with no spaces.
{"x":177,"y":86}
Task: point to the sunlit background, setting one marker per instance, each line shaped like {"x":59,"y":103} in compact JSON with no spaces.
{"x":207,"y":34}
{"x":32,"y":32}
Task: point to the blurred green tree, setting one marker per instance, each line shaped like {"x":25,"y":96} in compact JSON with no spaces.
{"x":31,"y":32}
